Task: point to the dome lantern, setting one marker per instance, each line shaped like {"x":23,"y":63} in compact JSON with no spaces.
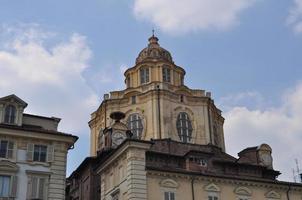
{"x":154,"y":52}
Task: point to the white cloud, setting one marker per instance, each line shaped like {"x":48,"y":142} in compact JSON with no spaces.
{"x":248,"y":99}
{"x":280,"y":127}
{"x":51,"y":73}
{"x":191,"y":15}
{"x":295,"y":16}
{"x":47,"y":74}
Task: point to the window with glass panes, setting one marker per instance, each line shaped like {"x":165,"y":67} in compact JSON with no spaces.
{"x":169,"y":196}
{"x":144,"y":75}
{"x":10,"y":114}
{"x":166,"y":75}
{"x":210,"y":197}
{"x":6,"y":149}
{"x":135,"y":125}
{"x":37,"y":187}
{"x":40,"y":153}
{"x":184,"y":127}
{"x":5,"y":186}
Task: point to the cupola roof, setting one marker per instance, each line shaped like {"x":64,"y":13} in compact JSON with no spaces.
{"x":154,"y":52}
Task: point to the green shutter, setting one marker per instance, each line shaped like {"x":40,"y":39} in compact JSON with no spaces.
{"x":50,"y":153}
{"x":30,"y":152}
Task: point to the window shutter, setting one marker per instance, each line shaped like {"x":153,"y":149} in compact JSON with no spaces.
{"x":50,"y":153}
{"x":29,"y":187}
{"x":30,"y":152}
{"x":15,"y":151}
{"x":14,"y":184}
{"x":10,"y":150}
{"x":34,"y":187}
{"x":41,"y":188}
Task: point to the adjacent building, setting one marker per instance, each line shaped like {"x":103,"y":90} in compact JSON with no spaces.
{"x":159,"y":140}
{"x":32,"y":153}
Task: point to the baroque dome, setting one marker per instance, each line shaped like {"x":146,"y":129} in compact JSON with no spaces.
{"x":154,"y":52}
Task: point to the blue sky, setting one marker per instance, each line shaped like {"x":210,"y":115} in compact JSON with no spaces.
{"x":62,"y":56}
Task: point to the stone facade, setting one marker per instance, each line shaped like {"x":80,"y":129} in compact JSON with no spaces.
{"x":152,"y":169}
{"x":159,"y":102}
{"x":33,"y":153}
{"x":84,"y":182}
{"x":160,"y":140}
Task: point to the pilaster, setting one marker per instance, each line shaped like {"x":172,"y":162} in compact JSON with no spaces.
{"x":136,"y":175}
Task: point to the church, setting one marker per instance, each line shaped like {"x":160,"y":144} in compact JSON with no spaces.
{"x":160,"y":140}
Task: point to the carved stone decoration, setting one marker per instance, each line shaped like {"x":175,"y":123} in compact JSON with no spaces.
{"x":212,"y":188}
{"x":169,"y":183}
{"x":273,"y":195}
{"x":243,"y":191}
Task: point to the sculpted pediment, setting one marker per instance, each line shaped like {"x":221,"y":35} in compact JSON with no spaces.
{"x":169,"y":183}
{"x":273,"y":195}
{"x":212,"y":188}
{"x":243,"y":191}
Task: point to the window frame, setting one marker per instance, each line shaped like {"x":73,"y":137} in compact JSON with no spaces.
{"x":34,"y":187}
{"x":10,"y":114}
{"x":12,"y":187}
{"x":166,"y":74}
{"x":144,"y":74}
{"x":2,"y":186}
{"x":133,"y":99}
{"x":30,"y":154}
{"x":9,"y":150}
{"x":39,"y":153}
{"x":184,"y":127}
{"x":169,"y":195}
{"x":137,"y":128}
{"x":212,"y":197}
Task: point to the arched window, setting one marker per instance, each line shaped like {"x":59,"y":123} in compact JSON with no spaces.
{"x":184,"y":127}
{"x":135,"y":124}
{"x":10,"y":114}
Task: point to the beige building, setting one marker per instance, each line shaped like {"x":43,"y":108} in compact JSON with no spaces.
{"x":158,"y":105}
{"x":160,"y":140}
{"x":32,"y":153}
